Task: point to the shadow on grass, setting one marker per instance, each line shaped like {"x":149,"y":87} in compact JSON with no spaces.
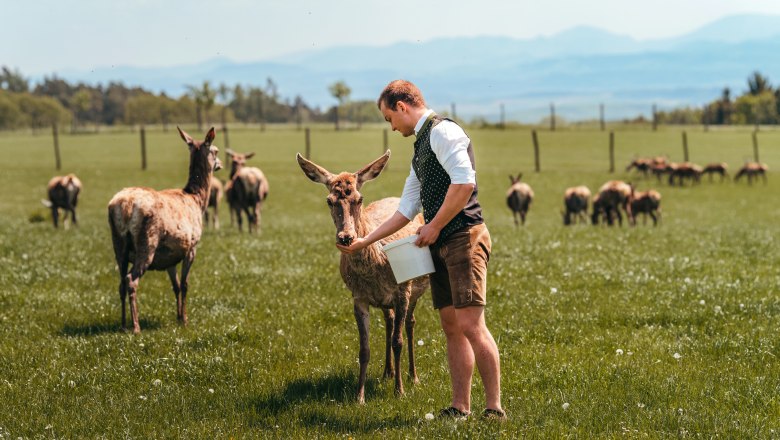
{"x":71,"y":330}
{"x":329,"y":393}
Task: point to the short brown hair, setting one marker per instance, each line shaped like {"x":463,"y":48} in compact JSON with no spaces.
{"x":400,"y":90}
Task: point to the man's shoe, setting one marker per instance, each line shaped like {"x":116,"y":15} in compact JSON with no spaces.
{"x":494,"y":414}
{"x":453,"y":413}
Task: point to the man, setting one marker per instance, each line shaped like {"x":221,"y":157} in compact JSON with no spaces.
{"x":442,"y":183}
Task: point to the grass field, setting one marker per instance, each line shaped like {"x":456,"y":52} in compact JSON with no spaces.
{"x":639,"y":332}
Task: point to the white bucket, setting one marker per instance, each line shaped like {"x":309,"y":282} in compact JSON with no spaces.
{"x":407,"y":260}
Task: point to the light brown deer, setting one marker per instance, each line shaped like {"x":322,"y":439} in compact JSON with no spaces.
{"x":519,"y":197}
{"x":645,"y":203}
{"x":752,"y":170}
{"x":246,"y":191}
{"x":575,"y":200}
{"x":157,"y":230}
{"x":63,"y":194}
{"x":612,"y":196}
{"x":367,"y":273}
{"x":215,"y":197}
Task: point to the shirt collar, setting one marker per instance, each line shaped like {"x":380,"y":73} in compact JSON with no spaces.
{"x":422,"y":120}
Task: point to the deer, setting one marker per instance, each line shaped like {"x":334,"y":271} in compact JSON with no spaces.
{"x":641,"y":164}
{"x":63,"y":194}
{"x":752,"y":170}
{"x":246,"y":191}
{"x":685,"y":170}
{"x":367,"y":273}
{"x":612,"y":196}
{"x":645,"y":203}
{"x":575,"y":200}
{"x":157,"y":230}
{"x":519,"y":197}
{"x":716,"y":168}
{"x":215,"y":197}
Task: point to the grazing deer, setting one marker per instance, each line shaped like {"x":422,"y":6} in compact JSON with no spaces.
{"x":157,"y":230}
{"x":645,"y":203}
{"x":367,"y":273}
{"x":641,"y":164}
{"x":716,"y":168}
{"x":63,"y":193}
{"x":519,"y":197}
{"x":246,"y":191}
{"x":752,"y":170}
{"x":575,"y":200}
{"x":612,"y":196}
{"x":685,"y":170}
{"x":215,"y":197}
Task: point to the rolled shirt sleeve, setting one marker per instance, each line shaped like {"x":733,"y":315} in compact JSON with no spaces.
{"x":410,"y":204}
{"x":450,"y":145}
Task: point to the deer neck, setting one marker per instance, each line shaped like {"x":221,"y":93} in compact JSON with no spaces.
{"x":199,"y":182}
{"x":371,"y":253}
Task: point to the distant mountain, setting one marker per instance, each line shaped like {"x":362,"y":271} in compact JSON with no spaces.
{"x":576,"y":69}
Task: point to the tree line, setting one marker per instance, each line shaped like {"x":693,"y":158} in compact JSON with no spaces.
{"x":82,"y":106}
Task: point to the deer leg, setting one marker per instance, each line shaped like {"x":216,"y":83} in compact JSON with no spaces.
{"x":401,"y":307}
{"x":123,"y":286}
{"x":144,"y":255}
{"x":238,"y":219}
{"x":410,"y":322}
{"x":256,"y":216}
{"x":186,"y":264}
{"x":216,"y":216}
{"x":362,"y":319}
{"x":652,"y":216}
{"x":55,"y":214}
{"x":389,"y":315}
{"x":522,"y":217}
{"x":176,"y":289}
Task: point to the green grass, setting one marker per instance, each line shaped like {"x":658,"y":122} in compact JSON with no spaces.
{"x":271,"y":348}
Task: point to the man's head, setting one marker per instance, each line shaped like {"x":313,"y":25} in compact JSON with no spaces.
{"x":402,"y":105}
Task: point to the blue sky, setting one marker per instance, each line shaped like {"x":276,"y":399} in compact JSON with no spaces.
{"x":45,"y":36}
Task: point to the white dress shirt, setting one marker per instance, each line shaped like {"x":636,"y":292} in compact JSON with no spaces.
{"x":450,"y":144}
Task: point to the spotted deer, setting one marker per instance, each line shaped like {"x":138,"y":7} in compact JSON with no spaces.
{"x":367,"y":273}
{"x":157,"y":230}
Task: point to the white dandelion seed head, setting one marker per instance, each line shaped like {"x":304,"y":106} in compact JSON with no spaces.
{"x":640,"y":405}
{"x":211,"y":390}
{"x":619,"y":351}
{"x":157,"y":382}
{"x":142,"y":397}
{"x":718,"y":310}
{"x":280,"y":332}
{"x":71,"y":384}
{"x":553,"y":290}
{"x":429,"y":416}
{"x":702,"y":302}
{"x":677,"y":356}
{"x":420,"y":342}
{"x":565,"y":406}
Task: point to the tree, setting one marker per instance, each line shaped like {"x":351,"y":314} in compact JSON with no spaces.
{"x":341,"y":92}
{"x":204,"y":97}
{"x":13,"y":81}
{"x":758,"y":84}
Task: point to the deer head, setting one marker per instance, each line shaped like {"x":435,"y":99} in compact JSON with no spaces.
{"x":237,"y":160}
{"x":204,"y":149}
{"x":344,"y":198}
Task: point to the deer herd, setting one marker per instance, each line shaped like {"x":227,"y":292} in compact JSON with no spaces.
{"x":158,"y":230}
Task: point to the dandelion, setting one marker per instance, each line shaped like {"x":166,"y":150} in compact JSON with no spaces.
{"x":718,"y":310}
{"x":141,"y":345}
{"x":420,"y":342}
{"x":429,"y":416}
{"x":565,"y":406}
{"x":677,"y":356}
{"x":741,"y":306}
{"x":157,"y":382}
{"x":640,"y":405}
{"x":702,"y":302}
{"x":553,"y":290}
{"x":619,"y":351}
{"x":679,"y":411}
{"x":142,"y":397}
{"x":71,"y":384}
{"x":211,"y":390}
{"x":280,"y":332}
{"x":687,"y":280}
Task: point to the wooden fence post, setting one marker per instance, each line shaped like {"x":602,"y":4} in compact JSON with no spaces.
{"x":611,"y":151}
{"x":655,"y":118}
{"x":755,"y":146}
{"x":552,"y":117}
{"x":685,"y":146}
{"x":225,"y":132}
{"x":308,"y":142}
{"x":56,"y":146}
{"x":536,"y":149}
{"x":143,"y":147}
{"x":385,"y":144}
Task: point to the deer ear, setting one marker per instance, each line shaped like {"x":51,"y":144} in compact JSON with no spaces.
{"x":229,"y":151}
{"x":313,"y":171}
{"x":249,"y":156}
{"x":210,"y":135}
{"x":512,"y":179}
{"x":187,"y":138}
{"x":372,"y":170}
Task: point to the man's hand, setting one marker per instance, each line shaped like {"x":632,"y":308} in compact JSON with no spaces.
{"x":427,"y":235}
{"x":357,"y":244}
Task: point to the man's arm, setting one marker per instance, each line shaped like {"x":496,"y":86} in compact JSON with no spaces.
{"x":390,"y":226}
{"x":454,"y":202}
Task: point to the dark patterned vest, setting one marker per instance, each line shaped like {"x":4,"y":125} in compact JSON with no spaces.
{"x":434,"y":183}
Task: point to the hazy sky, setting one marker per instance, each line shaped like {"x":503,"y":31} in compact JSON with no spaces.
{"x":45,"y":36}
